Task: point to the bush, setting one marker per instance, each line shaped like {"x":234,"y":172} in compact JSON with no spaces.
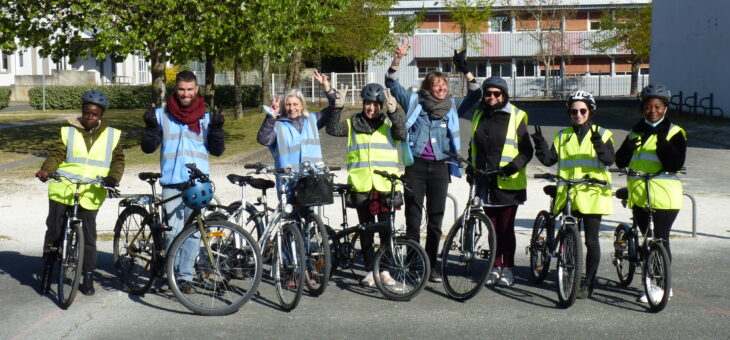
{"x":127,"y":97}
{"x":4,"y":97}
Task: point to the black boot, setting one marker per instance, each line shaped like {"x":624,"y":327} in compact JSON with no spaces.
{"x":87,"y":286}
{"x":46,"y":278}
{"x":586,"y":289}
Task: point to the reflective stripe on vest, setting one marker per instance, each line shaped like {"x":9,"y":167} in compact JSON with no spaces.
{"x":181,"y":146}
{"x":577,"y":159}
{"x":510,"y":149}
{"x":294,"y":147}
{"x":666,"y":189}
{"x":369,"y":152}
{"x":84,"y":164}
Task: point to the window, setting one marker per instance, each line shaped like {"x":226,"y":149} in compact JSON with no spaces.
{"x":500,"y":24}
{"x":3,"y":62}
{"x":595,"y":25}
{"x":423,"y":71}
{"x":644,"y":71}
{"x":503,"y":70}
{"x":446,"y":66}
{"x":20,"y":59}
{"x":525,"y":68}
{"x":553,"y":73}
{"x":430,"y":24}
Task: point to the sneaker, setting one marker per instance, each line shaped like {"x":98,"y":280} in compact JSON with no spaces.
{"x":160,"y":285}
{"x":187,"y":287}
{"x":435,"y":277}
{"x":656,"y":295}
{"x":387,"y":279}
{"x":368,"y":280}
{"x":494,"y":275}
{"x":507,"y":279}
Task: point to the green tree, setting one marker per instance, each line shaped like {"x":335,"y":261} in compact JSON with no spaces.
{"x":628,"y":29}
{"x":471,"y":16}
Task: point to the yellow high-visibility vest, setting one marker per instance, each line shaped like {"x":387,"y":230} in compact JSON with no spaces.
{"x":369,"y":152}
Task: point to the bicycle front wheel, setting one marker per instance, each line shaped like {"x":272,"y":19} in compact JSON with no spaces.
{"x":539,"y":249}
{"x":657,"y":277}
{"x":569,"y":265}
{"x":621,"y":256}
{"x":468,"y":256}
{"x":288,"y":267}
{"x":317,"y":251}
{"x":135,"y":250}
{"x":407,"y":263}
{"x":69,"y":264}
{"x":216,"y":278}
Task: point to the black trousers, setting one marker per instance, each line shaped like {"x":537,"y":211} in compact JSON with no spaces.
{"x":663,"y":220}
{"x":430,"y":180}
{"x":591,"y":227}
{"x":55,"y":221}
{"x":367,"y":238}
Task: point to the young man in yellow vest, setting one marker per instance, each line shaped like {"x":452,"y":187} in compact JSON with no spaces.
{"x":88,"y":148}
{"x":580,"y":150}
{"x":372,"y":144}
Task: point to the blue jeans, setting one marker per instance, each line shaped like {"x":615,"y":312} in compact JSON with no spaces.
{"x":177,"y":214}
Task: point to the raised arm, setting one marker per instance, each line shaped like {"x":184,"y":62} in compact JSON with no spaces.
{"x":401,"y":95}
{"x":152,"y":133}
{"x":266,"y":135}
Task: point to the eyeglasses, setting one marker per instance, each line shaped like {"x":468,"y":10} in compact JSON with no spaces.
{"x":496,"y":94}
{"x":575,"y":112}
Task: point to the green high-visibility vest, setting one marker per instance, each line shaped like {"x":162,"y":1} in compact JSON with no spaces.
{"x":666,"y":190}
{"x":84,"y":164}
{"x":518,"y":180}
{"x":575,"y":160}
{"x":369,"y":152}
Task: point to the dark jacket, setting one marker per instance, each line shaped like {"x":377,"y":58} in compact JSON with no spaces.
{"x":548,"y":157}
{"x":489,"y":138}
{"x":57,"y":151}
{"x":671,"y":153}
{"x":152,"y":138}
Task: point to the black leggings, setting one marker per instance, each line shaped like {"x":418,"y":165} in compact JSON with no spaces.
{"x":54,"y":223}
{"x":591,"y":226}
{"x":367,"y":238}
{"x":663,"y":220}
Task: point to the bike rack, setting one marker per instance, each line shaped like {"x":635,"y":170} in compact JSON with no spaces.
{"x":456,"y":205}
{"x":694,"y":213}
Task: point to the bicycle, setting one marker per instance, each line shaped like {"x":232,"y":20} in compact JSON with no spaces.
{"x":67,"y":256}
{"x":566,"y":247}
{"x":226,"y":267}
{"x":651,"y":255}
{"x":468,"y":253}
{"x":405,"y":260}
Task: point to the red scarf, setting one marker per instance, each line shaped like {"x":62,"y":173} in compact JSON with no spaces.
{"x":189,"y":115}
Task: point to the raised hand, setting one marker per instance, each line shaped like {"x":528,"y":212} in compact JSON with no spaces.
{"x":341,"y":96}
{"x":390,"y":103}
{"x":537,"y":136}
{"x":459,"y":60}
{"x":596,"y":137}
{"x":402,"y":49}
{"x":323,"y":79}
{"x":275,"y":104}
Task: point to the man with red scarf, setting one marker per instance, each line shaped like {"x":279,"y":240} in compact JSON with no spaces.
{"x":187,"y":133}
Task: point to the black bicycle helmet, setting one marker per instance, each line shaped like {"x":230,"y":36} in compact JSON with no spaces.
{"x":583,"y":96}
{"x":656,"y":91}
{"x":96,"y":97}
{"x":373,"y":92}
{"x":498,"y":82}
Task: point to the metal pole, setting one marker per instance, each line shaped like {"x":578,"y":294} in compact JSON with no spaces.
{"x":43,"y":83}
{"x":694,"y":213}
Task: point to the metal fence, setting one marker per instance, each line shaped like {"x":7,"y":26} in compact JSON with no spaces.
{"x":314,"y":92}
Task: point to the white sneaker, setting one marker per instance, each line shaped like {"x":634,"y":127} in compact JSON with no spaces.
{"x":368,"y":280}
{"x":507,"y":278}
{"x":494,"y":275}
{"x":656,"y":295}
{"x":386,"y":278}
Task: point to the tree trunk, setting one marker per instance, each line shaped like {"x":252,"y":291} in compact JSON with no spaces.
{"x":237,"y":100}
{"x":292,"y":75}
{"x":210,"y":81}
{"x":265,"y":80}
{"x":157,"y":59}
{"x":547,"y":66}
{"x":635,"y":66}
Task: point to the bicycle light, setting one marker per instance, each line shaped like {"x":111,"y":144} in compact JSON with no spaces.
{"x":288,"y":208}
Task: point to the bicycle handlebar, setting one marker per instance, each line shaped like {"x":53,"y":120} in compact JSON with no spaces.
{"x":195,"y":173}
{"x":584,"y":180}
{"x":634,"y":173}
{"x":389,"y":176}
{"x":470,"y":167}
{"x":98,"y":181}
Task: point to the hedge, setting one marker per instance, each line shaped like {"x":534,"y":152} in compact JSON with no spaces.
{"x":129,"y":97}
{"x":4,"y":97}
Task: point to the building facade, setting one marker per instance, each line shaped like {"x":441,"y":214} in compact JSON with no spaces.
{"x":508,"y":44}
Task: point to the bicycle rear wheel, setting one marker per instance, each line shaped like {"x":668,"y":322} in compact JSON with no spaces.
{"x":621,"y":257}
{"x":657,"y":277}
{"x":569,"y":265}
{"x":317,"y":251}
{"x":408,"y":265}
{"x":135,"y":250}
{"x":539,"y":249}
{"x":343,"y":254}
{"x":288,"y":267}
{"x":71,"y":257}
{"x":219,"y":285}
{"x":468,"y":256}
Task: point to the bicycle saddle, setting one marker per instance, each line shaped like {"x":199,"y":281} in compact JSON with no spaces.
{"x":149,"y":175}
{"x":622,"y":193}
{"x":256,"y":183}
{"x":550,"y":190}
{"x":337,"y":187}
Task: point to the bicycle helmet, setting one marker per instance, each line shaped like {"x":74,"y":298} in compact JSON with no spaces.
{"x":583,"y":96}
{"x":498,"y":82}
{"x":198,"y":196}
{"x":656,"y":91}
{"x":373,"y":92}
{"x":96,"y":97}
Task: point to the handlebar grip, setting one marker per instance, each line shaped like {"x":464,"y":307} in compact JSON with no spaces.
{"x":335,"y":168}
{"x":54,"y":176}
{"x":251,"y":166}
{"x":544,"y":176}
{"x":599,"y":182}
{"x":619,"y":170}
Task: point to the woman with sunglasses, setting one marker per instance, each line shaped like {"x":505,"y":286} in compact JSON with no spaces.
{"x":499,"y":140}
{"x":577,"y":157}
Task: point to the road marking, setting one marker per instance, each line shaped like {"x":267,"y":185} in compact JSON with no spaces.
{"x":37,"y":324}
{"x":713,"y":309}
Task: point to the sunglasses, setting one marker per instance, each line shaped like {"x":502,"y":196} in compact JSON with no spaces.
{"x":496,"y":94}
{"x":575,"y":112}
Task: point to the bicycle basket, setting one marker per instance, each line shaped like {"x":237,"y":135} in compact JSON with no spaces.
{"x":313,"y":190}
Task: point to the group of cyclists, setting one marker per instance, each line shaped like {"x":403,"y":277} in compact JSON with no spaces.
{"x":381,"y":137}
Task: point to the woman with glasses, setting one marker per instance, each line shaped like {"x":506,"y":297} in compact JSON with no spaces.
{"x":577,"y":157}
{"x":499,"y":140}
